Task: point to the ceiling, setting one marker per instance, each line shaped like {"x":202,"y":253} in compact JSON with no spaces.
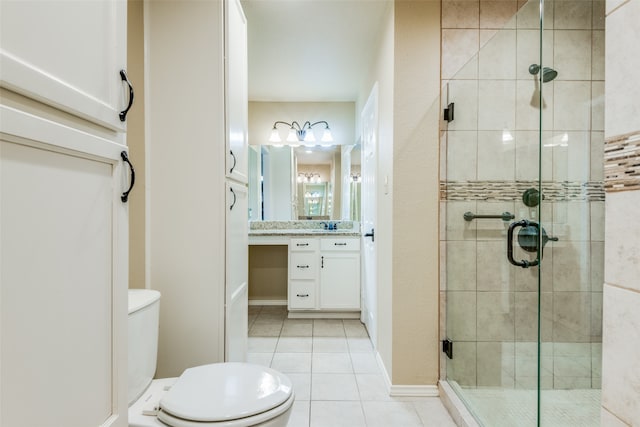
{"x":311,"y":50}
{"x":316,"y":155}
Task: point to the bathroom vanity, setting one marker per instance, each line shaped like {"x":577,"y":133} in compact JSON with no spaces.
{"x":323,"y":269}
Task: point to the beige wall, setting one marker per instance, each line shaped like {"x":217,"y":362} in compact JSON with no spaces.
{"x":406,"y":69}
{"x":136,"y":143}
{"x":621,"y":323}
{"x":416,"y":192}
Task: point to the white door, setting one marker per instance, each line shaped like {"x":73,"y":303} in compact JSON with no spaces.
{"x":369,"y":121}
{"x":67,"y":54}
{"x":63,"y":288}
{"x":236,"y":288}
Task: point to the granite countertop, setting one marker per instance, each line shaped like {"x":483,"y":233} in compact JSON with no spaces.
{"x":303,"y":228}
{"x":303,"y":232}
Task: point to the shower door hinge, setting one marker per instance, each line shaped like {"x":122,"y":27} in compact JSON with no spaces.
{"x":448,"y":113}
{"x":447,"y":348}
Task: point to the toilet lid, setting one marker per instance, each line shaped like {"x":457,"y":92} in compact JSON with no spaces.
{"x":225,"y":392}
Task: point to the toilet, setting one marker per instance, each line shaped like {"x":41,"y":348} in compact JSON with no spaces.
{"x":216,"y":395}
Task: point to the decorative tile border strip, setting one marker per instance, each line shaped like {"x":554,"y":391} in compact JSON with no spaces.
{"x":622,"y":163}
{"x":507,"y":191}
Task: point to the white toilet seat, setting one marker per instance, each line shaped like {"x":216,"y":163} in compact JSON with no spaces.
{"x":242,"y":422}
{"x":226,"y":394}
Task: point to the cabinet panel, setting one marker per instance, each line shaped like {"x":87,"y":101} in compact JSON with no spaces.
{"x":302,"y":294}
{"x":43,"y":56}
{"x":236,"y":96}
{"x":63,"y":239}
{"x":303,"y":265}
{"x":340,"y":281}
{"x":236,"y":288}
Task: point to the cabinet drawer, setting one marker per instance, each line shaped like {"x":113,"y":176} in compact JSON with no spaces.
{"x":338,"y":244}
{"x":303,"y":265}
{"x":302,"y":294}
{"x":303,"y":245}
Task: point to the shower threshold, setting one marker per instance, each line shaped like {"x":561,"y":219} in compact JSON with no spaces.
{"x":500,"y":407}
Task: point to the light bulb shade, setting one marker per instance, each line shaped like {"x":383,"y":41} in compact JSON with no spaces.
{"x":309,"y":136}
{"x":275,"y":136}
{"x":326,"y":135}
{"x":292,"y":137}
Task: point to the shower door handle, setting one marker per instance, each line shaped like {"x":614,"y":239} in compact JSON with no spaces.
{"x":529,"y":239}
{"x":523,"y":263}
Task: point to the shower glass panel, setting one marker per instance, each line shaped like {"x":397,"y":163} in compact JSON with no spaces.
{"x":523,"y":159}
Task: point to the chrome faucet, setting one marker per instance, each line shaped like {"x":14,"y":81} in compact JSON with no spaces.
{"x":330,"y":225}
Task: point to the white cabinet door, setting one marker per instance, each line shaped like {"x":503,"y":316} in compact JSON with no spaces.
{"x":63,"y":289}
{"x":237,"y":258}
{"x":340,"y":280}
{"x":67,"y":54}
{"x":236,"y":95}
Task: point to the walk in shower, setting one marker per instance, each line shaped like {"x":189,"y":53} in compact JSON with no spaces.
{"x":522,"y":201}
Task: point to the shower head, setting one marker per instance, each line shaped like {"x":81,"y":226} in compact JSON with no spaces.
{"x":548,"y":74}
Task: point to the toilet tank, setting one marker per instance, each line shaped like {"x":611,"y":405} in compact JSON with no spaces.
{"x":144,"y":314}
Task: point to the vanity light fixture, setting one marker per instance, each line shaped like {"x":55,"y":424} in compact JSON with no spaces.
{"x":299,"y":133}
{"x":313,"y":178}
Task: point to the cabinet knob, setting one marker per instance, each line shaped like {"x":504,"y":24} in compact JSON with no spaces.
{"x":302,"y":244}
{"x":340,"y":244}
{"x":303,"y":266}
{"x":302,"y":295}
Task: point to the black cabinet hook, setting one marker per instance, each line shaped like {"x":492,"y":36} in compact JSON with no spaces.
{"x":123,"y":113}
{"x":125,"y":195}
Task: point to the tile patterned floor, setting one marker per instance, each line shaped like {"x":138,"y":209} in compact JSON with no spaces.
{"x":334,"y":372}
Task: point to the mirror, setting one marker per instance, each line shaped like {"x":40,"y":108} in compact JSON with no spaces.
{"x":298,"y":181}
{"x":302,"y":183}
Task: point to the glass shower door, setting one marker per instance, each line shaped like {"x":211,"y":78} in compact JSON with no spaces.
{"x":572,"y":210}
{"x":522,"y":202}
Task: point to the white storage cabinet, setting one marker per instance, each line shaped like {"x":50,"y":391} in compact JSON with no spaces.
{"x":324,"y":274}
{"x":63,"y":224}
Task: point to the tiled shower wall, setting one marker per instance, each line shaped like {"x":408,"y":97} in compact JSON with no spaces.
{"x":621,"y":327}
{"x":490,"y":156}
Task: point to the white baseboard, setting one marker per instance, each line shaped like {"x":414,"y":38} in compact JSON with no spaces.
{"x":324,"y":314}
{"x":267,"y":302}
{"x":385,"y":374}
{"x":405,"y":390}
{"x":414,"y":390}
